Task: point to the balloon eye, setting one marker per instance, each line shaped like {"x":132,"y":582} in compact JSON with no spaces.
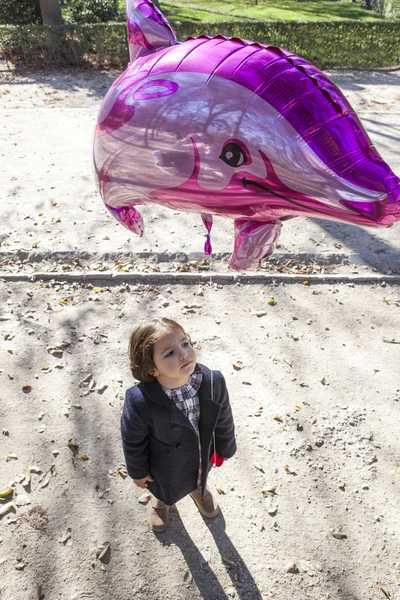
{"x":233,"y":155}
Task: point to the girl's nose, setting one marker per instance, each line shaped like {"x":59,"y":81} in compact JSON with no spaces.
{"x":184,"y":355}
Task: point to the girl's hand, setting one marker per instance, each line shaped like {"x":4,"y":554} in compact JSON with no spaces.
{"x":142,"y":483}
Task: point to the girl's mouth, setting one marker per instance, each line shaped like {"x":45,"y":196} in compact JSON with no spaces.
{"x":186,"y":364}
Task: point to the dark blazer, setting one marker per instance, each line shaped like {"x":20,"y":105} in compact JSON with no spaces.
{"x":158,"y":439}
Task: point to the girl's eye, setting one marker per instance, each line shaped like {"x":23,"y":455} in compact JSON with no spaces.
{"x":186,"y":344}
{"x":170,"y":353}
{"x":234,"y":155}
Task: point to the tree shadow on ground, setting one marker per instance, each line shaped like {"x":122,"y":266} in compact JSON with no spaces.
{"x":376,"y":253}
{"x":94,"y":82}
{"x":357,"y":79}
{"x":205,"y":579}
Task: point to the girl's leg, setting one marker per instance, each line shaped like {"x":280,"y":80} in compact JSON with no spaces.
{"x":159,"y":515}
{"x":207,"y":505}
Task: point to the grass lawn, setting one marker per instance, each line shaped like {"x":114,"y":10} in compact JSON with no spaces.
{"x":285,"y":10}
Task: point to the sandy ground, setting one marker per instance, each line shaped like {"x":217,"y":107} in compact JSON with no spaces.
{"x":320,"y":360}
{"x":310,"y":501}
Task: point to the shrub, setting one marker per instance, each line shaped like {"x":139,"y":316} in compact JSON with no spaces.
{"x":92,"y":11}
{"x":20,"y":12}
{"x":351,"y":44}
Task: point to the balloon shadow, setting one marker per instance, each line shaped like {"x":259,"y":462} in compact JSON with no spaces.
{"x":200,"y":571}
{"x":372,"y":250}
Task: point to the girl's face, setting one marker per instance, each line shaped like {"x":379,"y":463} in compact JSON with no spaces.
{"x":174,"y":359}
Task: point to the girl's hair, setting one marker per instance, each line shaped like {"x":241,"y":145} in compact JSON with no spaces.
{"x":141,"y":346}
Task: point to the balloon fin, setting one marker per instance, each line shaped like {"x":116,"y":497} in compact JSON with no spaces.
{"x":208,"y":223}
{"x":128,"y":216}
{"x":148,"y":29}
{"x":253,"y":242}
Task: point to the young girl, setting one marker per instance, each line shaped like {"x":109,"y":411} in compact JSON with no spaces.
{"x":174,"y":421}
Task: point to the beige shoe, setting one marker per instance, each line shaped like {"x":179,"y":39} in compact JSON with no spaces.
{"x":207,"y":505}
{"x":159,"y":515}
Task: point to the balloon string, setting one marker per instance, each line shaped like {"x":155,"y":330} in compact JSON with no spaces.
{"x":214,"y":464}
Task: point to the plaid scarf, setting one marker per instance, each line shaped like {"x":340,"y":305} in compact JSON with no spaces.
{"x":186,"y":398}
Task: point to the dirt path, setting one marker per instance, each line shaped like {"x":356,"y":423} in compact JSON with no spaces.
{"x":316,"y":405}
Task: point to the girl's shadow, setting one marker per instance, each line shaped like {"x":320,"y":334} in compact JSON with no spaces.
{"x":200,"y":571}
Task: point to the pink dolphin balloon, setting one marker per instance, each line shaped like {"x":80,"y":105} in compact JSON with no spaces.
{"x":228,"y":127}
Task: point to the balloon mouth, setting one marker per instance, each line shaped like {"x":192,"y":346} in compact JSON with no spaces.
{"x":249,"y":182}
{"x":246,"y":182}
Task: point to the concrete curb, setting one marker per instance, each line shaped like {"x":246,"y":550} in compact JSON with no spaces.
{"x":375,"y":260}
{"x":112,"y":278}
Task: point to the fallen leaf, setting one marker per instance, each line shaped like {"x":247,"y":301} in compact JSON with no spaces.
{"x":299,"y":427}
{"x":297,"y":407}
{"x":55,"y":351}
{"x":98,"y":290}
{"x":188,"y":577}
{"x":268,"y":491}
{"x":339,"y":535}
{"x":6,"y":493}
{"x":45,"y":478}
{"x":63,"y":302}
{"x":66,"y":536}
{"x":26,"y":388}
{"x":73,"y":445}
{"x":238,"y":365}
{"x":83,"y":457}
{"x":384,"y":589}
{"x":123,"y":472}
{"x":6,"y":508}
{"x":272,"y":302}
{"x":273,"y":505}
{"x":227,"y":562}
{"x":11,"y":457}
{"x":292,"y":568}
{"x":22,"y":500}
{"x":220,"y":491}
{"x":342,"y":487}
{"x":246,"y":383}
{"x":101,"y":551}
{"x":36,"y":470}
{"x":373,"y":460}
{"x":278,"y":418}
{"x":259,"y":467}
{"x":289,"y":470}
{"x":26,"y":482}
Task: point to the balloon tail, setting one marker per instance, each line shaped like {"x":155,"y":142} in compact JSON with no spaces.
{"x":208,"y":223}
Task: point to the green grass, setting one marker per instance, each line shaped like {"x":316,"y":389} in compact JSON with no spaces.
{"x":281,"y":10}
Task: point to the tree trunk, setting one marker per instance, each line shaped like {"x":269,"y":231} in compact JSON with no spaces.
{"x":51,"y":12}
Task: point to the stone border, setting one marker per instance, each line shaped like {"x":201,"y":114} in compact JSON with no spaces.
{"x":112,"y":278}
